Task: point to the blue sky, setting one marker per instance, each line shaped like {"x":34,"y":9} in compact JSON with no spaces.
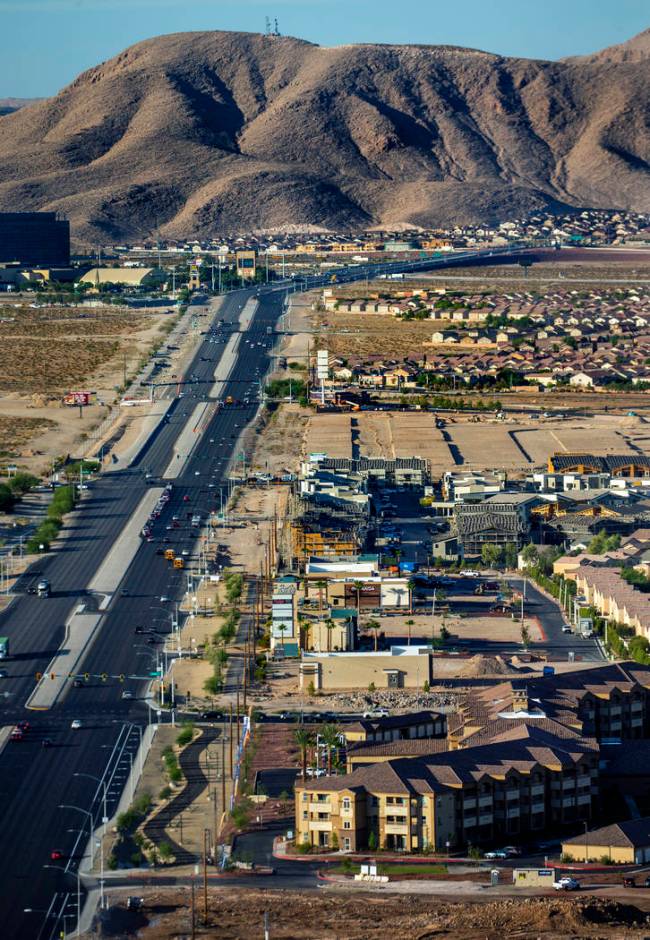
{"x":46,"y":43}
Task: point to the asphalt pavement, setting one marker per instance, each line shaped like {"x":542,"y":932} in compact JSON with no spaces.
{"x":44,"y":777}
{"x":35,"y":781}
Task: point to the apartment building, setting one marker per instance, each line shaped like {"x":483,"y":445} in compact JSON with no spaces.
{"x":522,"y":782}
{"x":610,"y":702}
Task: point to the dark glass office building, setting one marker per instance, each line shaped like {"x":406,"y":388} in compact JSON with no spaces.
{"x":34,"y":238}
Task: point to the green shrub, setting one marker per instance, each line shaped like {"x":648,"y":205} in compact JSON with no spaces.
{"x":165,"y":851}
{"x":112,"y":863}
{"x":213,"y":685}
{"x":165,"y":793}
{"x":372,"y":841}
{"x":304,"y":848}
{"x":186,"y":734}
{"x":143,"y":804}
{"x":240,"y":813}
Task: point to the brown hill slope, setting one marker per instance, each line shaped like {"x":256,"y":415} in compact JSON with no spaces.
{"x":202,"y":132}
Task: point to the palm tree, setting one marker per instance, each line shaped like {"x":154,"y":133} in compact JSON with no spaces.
{"x":329,"y":626}
{"x":409,"y":624}
{"x":376,"y":626}
{"x":282,"y":629}
{"x":304,"y":739}
{"x":330,"y":738}
{"x":358,"y":586}
{"x":304,"y":626}
{"x":321,"y":585}
{"x":411,"y":587}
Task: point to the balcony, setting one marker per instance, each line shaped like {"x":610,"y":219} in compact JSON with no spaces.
{"x":469,"y":822}
{"x":395,"y":829}
{"x":537,"y":790}
{"x":320,"y":825}
{"x":469,"y":804}
{"x":485,"y":819}
{"x":584,"y":800}
{"x":537,"y":808}
{"x":512,"y":794}
{"x":512,"y":812}
{"x":485,"y":801}
{"x":320,"y":807}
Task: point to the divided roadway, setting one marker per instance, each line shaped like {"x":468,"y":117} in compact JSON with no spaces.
{"x":35,"y":780}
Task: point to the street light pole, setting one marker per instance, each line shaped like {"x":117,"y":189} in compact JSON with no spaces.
{"x":78,"y":875}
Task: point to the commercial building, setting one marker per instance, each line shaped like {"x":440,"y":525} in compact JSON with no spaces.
{"x":246,"y":263}
{"x":625,"y":842}
{"x":337,"y":632}
{"x":34,"y":239}
{"x":401,"y":667}
{"x":128,"y":277}
{"x":283,"y":619}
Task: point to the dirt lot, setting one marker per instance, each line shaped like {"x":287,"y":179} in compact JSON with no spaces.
{"x":238,"y":913}
{"x":517,"y":444}
{"x":494,"y":629}
{"x":349,"y":334}
{"x":55,"y":350}
{"x":279,"y":446}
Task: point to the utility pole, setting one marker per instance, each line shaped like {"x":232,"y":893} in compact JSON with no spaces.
{"x":232,"y":763}
{"x":205,"y":877}
{"x":193,"y":932}
{"x":223,"y":769}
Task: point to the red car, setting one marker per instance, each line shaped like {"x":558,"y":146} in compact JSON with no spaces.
{"x":23,"y":725}
{"x":186,"y":498}
{"x":56,"y":855}
{"x":16,"y":735}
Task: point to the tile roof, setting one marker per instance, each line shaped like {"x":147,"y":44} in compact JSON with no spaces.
{"x":633,"y":833}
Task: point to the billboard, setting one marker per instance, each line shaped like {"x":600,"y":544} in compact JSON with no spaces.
{"x":79,"y":398}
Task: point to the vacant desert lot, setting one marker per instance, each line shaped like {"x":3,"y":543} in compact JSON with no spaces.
{"x":515,"y":445}
{"x":349,"y":334}
{"x":53,"y":350}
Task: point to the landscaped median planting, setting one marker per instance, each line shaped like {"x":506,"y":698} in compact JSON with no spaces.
{"x":62,"y":503}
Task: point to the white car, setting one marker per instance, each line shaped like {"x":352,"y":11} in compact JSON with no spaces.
{"x":495,"y":853}
{"x":316,"y":772}
{"x":566,"y":884}
{"x":76,"y":724}
{"x":377,"y":713}
{"x":468,"y":573}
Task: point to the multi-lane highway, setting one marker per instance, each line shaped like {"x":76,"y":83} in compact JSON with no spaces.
{"x":36,"y":780}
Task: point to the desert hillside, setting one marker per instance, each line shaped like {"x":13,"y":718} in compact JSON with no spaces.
{"x":197,"y":133}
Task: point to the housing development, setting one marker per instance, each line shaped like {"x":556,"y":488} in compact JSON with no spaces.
{"x":324,"y":545}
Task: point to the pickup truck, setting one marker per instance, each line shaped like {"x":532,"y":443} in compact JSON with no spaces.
{"x":566,"y":884}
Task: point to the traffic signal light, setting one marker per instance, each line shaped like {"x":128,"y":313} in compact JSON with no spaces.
{"x":104,"y":676}
{"x":52,"y":676}
{"x":122,"y":677}
{"x":39,"y":676}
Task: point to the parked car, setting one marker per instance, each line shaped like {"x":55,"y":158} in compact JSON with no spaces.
{"x":76,"y":724}
{"x":566,"y":884}
{"x":376,"y":713}
{"x":495,"y":853}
